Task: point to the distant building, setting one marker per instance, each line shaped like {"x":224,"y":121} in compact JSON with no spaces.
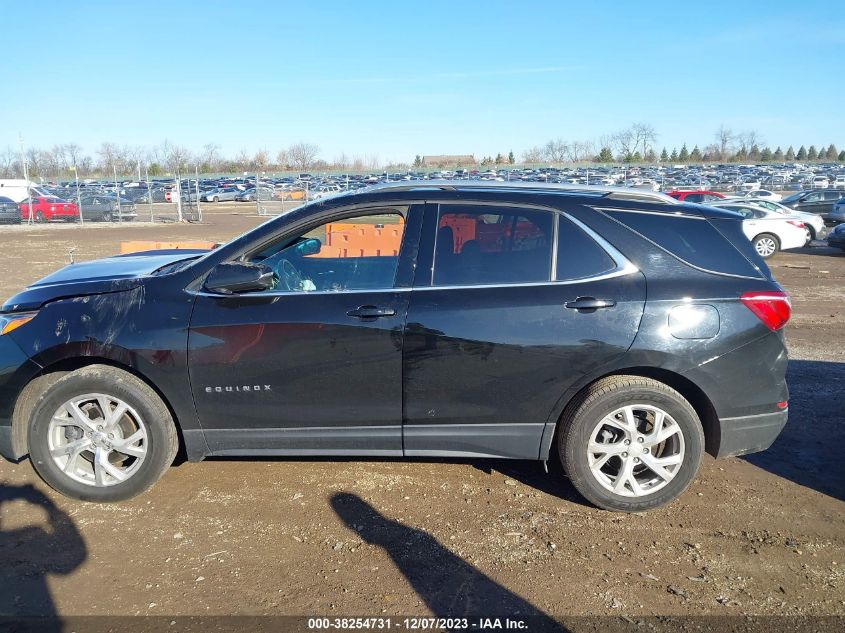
{"x":448,"y":160}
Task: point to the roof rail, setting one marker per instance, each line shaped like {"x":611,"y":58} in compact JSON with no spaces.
{"x":614,"y":193}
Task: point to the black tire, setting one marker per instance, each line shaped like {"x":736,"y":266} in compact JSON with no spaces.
{"x":756,"y":242}
{"x":606,"y":396}
{"x":39,"y":217}
{"x":215,"y":199}
{"x":161,"y":431}
{"x":107,"y":216}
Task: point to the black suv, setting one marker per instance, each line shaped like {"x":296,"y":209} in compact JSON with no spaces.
{"x":619,"y":331}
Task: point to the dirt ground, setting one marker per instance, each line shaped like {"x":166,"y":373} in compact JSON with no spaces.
{"x":757,"y":535}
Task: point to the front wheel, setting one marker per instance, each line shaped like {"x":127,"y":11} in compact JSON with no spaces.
{"x":107,"y":216}
{"x":101,"y":434}
{"x":766,"y":245}
{"x":630,"y":443}
{"x":39,"y":217}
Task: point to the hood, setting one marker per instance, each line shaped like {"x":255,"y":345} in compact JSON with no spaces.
{"x":111,"y":274}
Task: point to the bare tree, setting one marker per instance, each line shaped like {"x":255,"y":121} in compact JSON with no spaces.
{"x":579,"y":150}
{"x":9,"y":163}
{"x":724,"y":139}
{"x":303,"y":155}
{"x":556,"y":151}
{"x":174,"y":157}
{"x":282,"y":159}
{"x":210,"y":157}
{"x":645,"y":136}
{"x":533,"y":155}
{"x":749,"y":139}
{"x":261,"y":159}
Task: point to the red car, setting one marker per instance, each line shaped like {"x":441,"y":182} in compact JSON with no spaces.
{"x":49,"y":208}
{"x":701,"y":196}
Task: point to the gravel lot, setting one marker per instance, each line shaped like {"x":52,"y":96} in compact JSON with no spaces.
{"x":757,"y":535}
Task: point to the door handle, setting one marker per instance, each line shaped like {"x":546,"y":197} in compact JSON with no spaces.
{"x":589,"y":304}
{"x":371,"y":312}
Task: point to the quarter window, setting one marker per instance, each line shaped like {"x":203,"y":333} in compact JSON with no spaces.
{"x":492,"y":245}
{"x":578,"y":256}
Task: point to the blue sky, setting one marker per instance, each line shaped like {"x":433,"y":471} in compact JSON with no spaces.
{"x":403,"y":78}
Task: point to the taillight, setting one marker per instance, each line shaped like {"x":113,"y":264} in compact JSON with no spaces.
{"x":773,"y":308}
{"x":800,"y":225}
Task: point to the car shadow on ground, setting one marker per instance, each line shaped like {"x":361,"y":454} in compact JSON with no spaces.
{"x":449,"y":586}
{"x":30,"y":553}
{"x":809,"y":450}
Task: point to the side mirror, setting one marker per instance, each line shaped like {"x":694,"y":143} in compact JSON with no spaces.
{"x":311,"y":246}
{"x":237,"y":277}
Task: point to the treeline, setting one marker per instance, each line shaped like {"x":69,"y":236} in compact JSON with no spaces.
{"x":635,"y":144}
{"x":65,"y":161}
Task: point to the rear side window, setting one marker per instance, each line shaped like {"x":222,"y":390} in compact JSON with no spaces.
{"x":492,"y":245}
{"x":691,"y":239}
{"x":578,"y":256}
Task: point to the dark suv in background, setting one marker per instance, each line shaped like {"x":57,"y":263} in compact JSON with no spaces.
{"x":621,"y":332}
{"x":818,"y":201}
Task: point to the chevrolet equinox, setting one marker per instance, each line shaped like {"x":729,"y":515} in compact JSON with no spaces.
{"x":622,"y":332}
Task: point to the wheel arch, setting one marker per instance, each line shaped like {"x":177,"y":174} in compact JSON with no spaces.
{"x":191,"y":444}
{"x":689,"y":390}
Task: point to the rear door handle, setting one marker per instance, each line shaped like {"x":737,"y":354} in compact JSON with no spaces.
{"x":589,"y":304}
{"x":371,"y":312}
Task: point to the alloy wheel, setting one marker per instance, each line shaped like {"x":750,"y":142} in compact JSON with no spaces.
{"x":97,"y":439}
{"x":636,"y":450}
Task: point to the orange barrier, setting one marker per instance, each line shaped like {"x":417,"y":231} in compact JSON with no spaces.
{"x":362,"y":240}
{"x":140,"y":246}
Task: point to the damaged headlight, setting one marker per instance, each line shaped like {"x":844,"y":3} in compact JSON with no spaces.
{"x":10,"y":322}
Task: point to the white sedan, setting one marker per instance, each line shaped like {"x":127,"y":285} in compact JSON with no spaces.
{"x":813,"y":222}
{"x":769,"y":231}
{"x":764,"y":194}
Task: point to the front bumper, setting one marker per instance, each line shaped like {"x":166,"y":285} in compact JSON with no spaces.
{"x":751,"y":433}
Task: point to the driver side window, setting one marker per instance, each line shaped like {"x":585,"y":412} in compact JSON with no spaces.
{"x":355,"y":253}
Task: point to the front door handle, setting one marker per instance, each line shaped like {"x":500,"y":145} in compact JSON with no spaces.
{"x":371,"y":312}
{"x":589,"y":304}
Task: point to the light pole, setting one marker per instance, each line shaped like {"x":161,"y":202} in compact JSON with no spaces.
{"x":149,"y":192}
{"x":78,"y":197}
{"x":117,"y":194}
{"x":30,"y":219}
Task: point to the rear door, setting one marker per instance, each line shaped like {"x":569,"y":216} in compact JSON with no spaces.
{"x":511,"y":306}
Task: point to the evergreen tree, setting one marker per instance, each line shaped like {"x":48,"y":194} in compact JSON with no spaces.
{"x":674,"y":155}
{"x":684,"y":155}
{"x":790,"y":154}
{"x":636,"y":158}
{"x":766,"y":155}
{"x":664,"y":156}
{"x":841,"y":157}
{"x":802,"y":153}
{"x":417,"y":161}
{"x":511,"y":158}
{"x":831,"y":152}
{"x":605,"y":156}
{"x":778,"y":155}
{"x":812,"y":154}
{"x":695,"y":155}
{"x":499,"y":159}
{"x":650,"y":156}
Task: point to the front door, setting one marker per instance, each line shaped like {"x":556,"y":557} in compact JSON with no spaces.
{"x":314,"y":365}
{"x":522,"y":303}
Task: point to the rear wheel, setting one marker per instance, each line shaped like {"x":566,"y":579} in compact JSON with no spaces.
{"x":766,"y":245}
{"x":107,"y":216}
{"x":630,"y":443}
{"x":215,"y":199}
{"x":101,"y":434}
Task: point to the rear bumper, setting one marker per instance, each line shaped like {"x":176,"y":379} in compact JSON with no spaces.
{"x":751,"y":433}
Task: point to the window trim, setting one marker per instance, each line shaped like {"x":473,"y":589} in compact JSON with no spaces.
{"x":623,"y":266}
